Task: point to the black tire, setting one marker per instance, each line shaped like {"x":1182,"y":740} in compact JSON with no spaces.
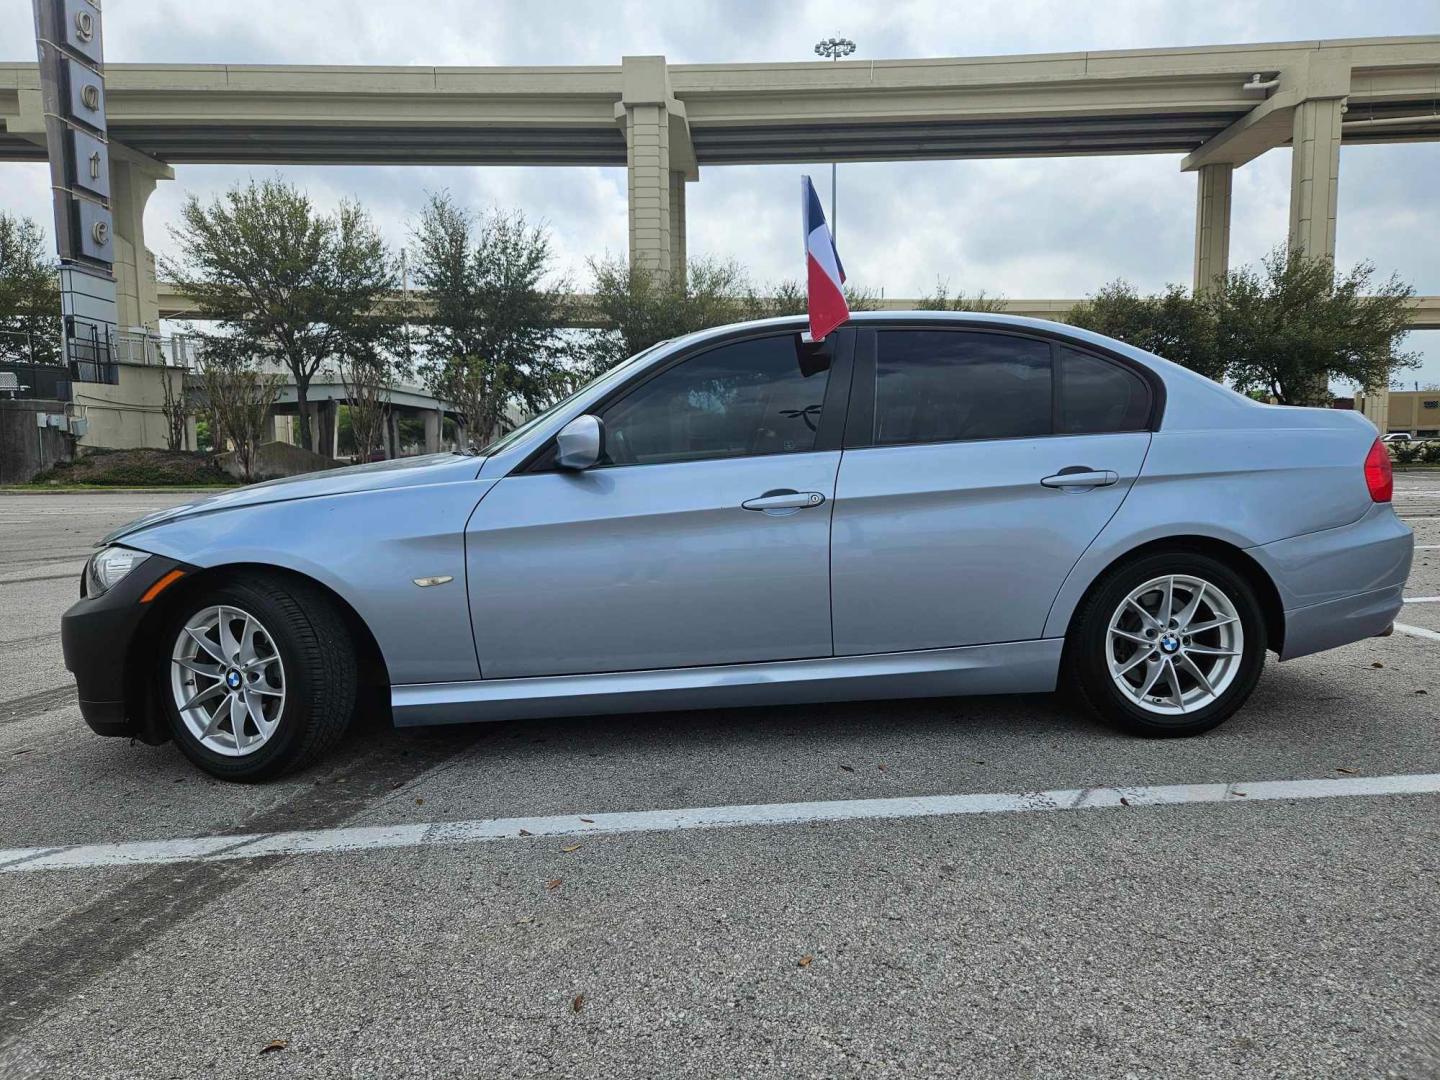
{"x":320,"y":673}
{"x":1087,"y":660}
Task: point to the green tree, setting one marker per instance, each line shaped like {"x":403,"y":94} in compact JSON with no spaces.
{"x":286,"y":283}
{"x":1173,"y":324}
{"x":639,"y":307}
{"x":1293,"y":326}
{"x":237,"y":398}
{"x":495,"y":344}
{"x":29,"y":294}
{"x":942,"y":300}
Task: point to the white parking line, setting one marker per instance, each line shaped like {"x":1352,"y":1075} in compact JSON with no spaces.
{"x":1422,"y":599}
{"x":448,"y":834}
{"x":1417,"y":631}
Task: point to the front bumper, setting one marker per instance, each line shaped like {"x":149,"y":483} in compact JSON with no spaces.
{"x":1340,"y":585}
{"x":97,"y":635}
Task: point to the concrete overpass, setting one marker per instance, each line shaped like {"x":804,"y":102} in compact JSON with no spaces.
{"x":1220,"y":105}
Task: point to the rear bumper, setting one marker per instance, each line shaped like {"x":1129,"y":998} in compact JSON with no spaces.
{"x":1340,"y":585}
{"x":96,"y":635}
{"x":1339,"y":622}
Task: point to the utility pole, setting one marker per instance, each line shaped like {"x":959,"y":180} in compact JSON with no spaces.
{"x":834,"y":48}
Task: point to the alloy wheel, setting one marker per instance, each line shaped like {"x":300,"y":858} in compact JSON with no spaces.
{"x":1175,"y":644}
{"x":228,"y":680}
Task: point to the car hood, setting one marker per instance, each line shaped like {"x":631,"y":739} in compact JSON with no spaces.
{"x":381,"y":475}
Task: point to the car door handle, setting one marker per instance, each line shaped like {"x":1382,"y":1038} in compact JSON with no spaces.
{"x":785,"y":499}
{"x":1080,"y":478}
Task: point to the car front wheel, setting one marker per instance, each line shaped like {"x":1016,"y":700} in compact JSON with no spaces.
{"x":1169,"y":645}
{"x":256,"y":677}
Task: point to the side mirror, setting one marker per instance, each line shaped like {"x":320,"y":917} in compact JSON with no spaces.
{"x":580,"y":443}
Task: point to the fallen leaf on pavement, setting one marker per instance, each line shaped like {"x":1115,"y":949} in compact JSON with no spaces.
{"x":848,"y":768}
{"x":806,"y":960}
{"x":1124,"y":801}
{"x":591,"y":821}
{"x":578,"y":1003}
{"x":572,"y":847}
{"x":1349,"y":771}
{"x":553,"y":884}
{"x":526,"y":832}
{"x":419,"y":802}
{"x":273,"y":1045}
{"x":1377,"y":664}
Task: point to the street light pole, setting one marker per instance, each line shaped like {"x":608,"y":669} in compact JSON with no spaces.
{"x":834,"y":48}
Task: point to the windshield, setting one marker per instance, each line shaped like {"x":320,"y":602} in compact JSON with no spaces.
{"x":604,"y":377}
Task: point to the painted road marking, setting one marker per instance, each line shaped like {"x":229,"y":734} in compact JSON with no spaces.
{"x":1417,"y":631}
{"x":449,"y":834}
{"x":1422,"y":599}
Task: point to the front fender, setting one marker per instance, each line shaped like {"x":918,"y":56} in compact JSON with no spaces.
{"x":368,"y":547}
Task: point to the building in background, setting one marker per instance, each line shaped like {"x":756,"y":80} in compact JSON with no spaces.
{"x":1416,"y":412}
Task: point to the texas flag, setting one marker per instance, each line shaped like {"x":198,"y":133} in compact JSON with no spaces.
{"x":824,"y":274}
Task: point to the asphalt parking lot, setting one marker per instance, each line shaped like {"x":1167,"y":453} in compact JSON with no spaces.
{"x":1270,"y":937}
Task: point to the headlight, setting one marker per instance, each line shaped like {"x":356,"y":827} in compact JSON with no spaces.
{"x":108,"y":566}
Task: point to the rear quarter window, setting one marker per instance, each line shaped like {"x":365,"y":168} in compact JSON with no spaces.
{"x":1099,"y":395}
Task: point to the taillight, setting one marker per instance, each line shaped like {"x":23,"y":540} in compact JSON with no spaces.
{"x":1378,"y":476}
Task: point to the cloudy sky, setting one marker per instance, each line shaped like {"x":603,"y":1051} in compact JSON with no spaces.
{"x":1031,"y":228}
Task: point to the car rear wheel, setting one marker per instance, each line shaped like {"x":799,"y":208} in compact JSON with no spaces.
{"x":1169,"y":645}
{"x":256,"y":677}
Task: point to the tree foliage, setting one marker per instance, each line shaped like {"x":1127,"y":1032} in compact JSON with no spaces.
{"x":367,"y":382}
{"x":237,"y":398}
{"x":286,"y":283}
{"x":1173,"y":324}
{"x":1293,"y":326}
{"x":1284,"y":331}
{"x":641,"y":307}
{"x":29,"y":294}
{"x":942,"y":300}
{"x":495,"y":345}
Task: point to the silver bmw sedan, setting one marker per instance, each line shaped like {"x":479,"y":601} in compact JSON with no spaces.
{"x":923,"y":504}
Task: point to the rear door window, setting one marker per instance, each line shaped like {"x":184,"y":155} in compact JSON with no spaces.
{"x":951,"y":385}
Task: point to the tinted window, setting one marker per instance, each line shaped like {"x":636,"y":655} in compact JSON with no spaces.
{"x":753,"y":397}
{"x":1098,"y":395}
{"x":945,"y":385}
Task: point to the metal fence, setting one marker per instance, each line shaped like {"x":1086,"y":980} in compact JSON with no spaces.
{"x":41,"y":372}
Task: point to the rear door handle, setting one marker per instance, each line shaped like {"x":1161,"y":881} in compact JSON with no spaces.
{"x":1081,"y":478}
{"x":785,"y":499}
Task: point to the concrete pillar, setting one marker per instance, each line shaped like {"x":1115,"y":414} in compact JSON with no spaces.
{"x":1375,"y":405}
{"x":433,"y":430}
{"x":132,"y":180}
{"x":1212,"y":225}
{"x":659,"y":159}
{"x":1315,"y":176}
{"x":647,"y":161}
{"x":677,"y":225}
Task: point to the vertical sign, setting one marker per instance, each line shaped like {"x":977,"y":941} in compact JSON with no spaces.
{"x":72,"y":84}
